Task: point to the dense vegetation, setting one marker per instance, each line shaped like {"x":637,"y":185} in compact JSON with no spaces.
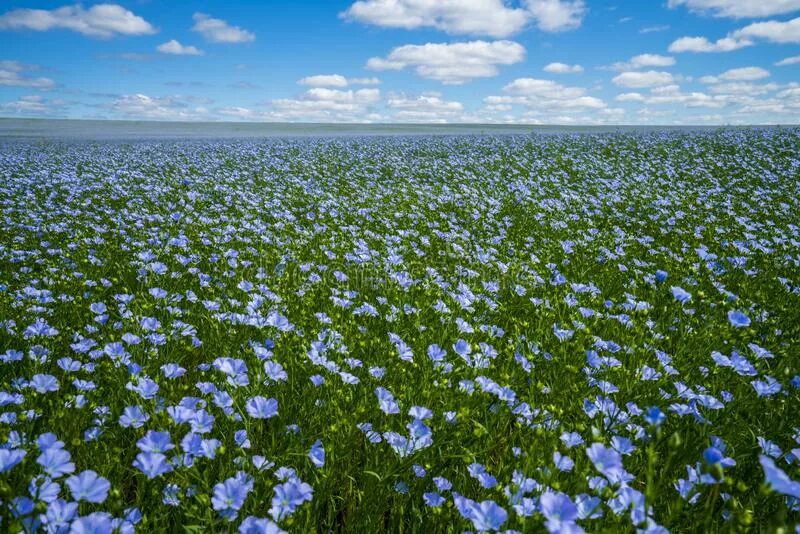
{"x":412,"y":334}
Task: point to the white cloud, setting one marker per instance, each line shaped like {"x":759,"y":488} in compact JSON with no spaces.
{"x":452,"y":63}
{"x":545,"y":100}
{"x":170,"y":108}
{"x":672,"y":94}
{"x":364,"y":81}
{"x":484,"y":17}
{"x":326,"y":105}
{"x":15,"y":66}
{"x":737,"y":83}
{"x":784,"y":106}
{"x":324,"y":80}
{"x":644,"y":60}
{"x":238,"y":112}
{"x":572,"y":116}
{"x":428,"y":107}
{"x":557,"y":15}
{"x":629,"y":97}
{"x":702,"y":44}
{"x":219,"y":31}
{"x":336,"y":80}
{"x":426,"y":101}
{"x":651,"y":60}
{"x":533,"y":87}
{"x":740,"y":8}
{"x":361,"y":96}
{"x":792,"y":60}
{"x":793,"y":93}
{"x":320,"y":103}
{"x":176,"y":48}
{"x":743,"y":88}
{"x":495,"y":18}
{"x":101,"y":20}
{"x":640,"y":79}
{"x":12,"y":74}
{"x":563,"y":68}
{"x":33,"y":106}
{"x":772,"y":30}
{"x":743,"y":101}
{"x":742,"y":74}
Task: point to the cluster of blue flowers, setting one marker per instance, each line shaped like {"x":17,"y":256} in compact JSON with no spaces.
{"x":561,"y":333}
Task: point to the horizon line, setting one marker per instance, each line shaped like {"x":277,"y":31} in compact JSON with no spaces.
{"x":405,"y":124}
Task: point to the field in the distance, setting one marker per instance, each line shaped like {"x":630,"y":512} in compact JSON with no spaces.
{"x":417,"y":334}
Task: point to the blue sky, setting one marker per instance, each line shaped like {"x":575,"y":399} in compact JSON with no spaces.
{"x":521,"y":61}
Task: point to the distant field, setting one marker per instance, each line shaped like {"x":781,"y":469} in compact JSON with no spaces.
{"x":400,"y":334}
{"x":98,"y":130}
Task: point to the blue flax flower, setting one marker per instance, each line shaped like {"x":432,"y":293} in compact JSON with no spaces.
{"x":288,"y":496}
{"x":738,"y":319}
{"x":262,"y":408}
{"x":9,"y":458}
{"x":89,"y":487}
{"x":229,"y":496}
{"x":777,"y":479}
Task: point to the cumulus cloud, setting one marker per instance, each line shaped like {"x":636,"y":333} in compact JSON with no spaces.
{"x":641,"y":79}
{"x":484,"y":17}
{"x":325,"y":101}
{"x":792,"y":60}
{"x":336,"y":80}
{"x":772,"y":30}
{"x":548,"y":101}
{"x":12,"y":74}
{"x":176,"y":48}
{"x":495,"y":18}
{"x":452,"y":63}
{"x":326,"y":105}
{"x":361,"y":96}
{"x":702,"y":44}
{"x":734,"y":90}
{"x":742,"y":74}
{"x":743,"y":88}
{"x":557,"y":15}
{"x":219,"y":31}
{"x":644,"y":60}
{"x":427,"y":107}
{"x":783,"y":106}
{"x":739,"y":8}
{"x":427,"y":101}
{"x":101,"y":20}
{"x":364,"y":81}
{"x":33,"y":106}
{"x":324,"y":80}
{"x":533,"y":87}
{"x":630,"y":97}
{"x":563,"y":68}
{"x":240,"y":113}
{"x":572,"y":117}
{"x":168,"y":108}
{"x":672,"y":94}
